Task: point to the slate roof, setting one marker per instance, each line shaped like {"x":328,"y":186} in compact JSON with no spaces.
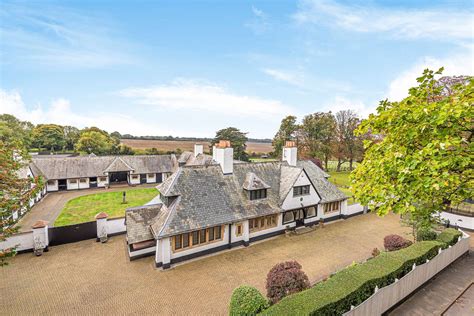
{"x":207,"y":197}
{"x":187,"y":158}
{"x":138,"y":221}
{"x":85,"y":166}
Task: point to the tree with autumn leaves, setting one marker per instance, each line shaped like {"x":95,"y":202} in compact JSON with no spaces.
{"x":423,"y":160}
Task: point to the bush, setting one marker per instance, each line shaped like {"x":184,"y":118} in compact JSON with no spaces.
{"x":246,"y":300}
{"x":449,"y":236}
{"x":284,"y":279}
{"x":426,"y":234}
{"x":395,"y":242}
{"x":355,"y":284}
{"x":375,"y":252}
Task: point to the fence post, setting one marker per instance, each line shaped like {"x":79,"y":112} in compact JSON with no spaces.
{"x":101,"y":220}
{"x":40,"y":237}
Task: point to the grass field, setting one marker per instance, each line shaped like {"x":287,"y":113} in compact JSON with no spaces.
{"x":171,"y":145}
{"x":342,"y":181}
{"x":84,"y":208}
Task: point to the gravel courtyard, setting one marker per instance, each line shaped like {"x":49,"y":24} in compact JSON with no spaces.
{"x":93,"y":278}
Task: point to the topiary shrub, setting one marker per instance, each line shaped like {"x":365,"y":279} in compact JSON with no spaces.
{"x":449,"y":236}
{"x":375,"y":252}
{"x":426,"y":234}
{"x":246,"y":300}
{"x":395,"y":242}
{"x":284,"y":279}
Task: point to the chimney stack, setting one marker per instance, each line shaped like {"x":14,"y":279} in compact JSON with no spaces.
{"x":198,"y":149}
{"x":224,"y":155}
{"x":290,"y":153}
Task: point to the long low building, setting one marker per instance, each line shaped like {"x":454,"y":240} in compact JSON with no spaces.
{"x":83,"y":172}
{"x":207,"y":208}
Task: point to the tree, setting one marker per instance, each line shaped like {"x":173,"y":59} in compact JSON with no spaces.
{"x":317,"y":134}
{"x":12,"y":129}
{"x":288,"y":127}
{"x":15,"y":192}
{"x":347,"y":145}
{"x":93,"y":141}
{"x":49,"y":136}
{"x":71,"y":136}
{"x":237,"y":139}
{"x":116,"y":135}
{"x":424,"y":159}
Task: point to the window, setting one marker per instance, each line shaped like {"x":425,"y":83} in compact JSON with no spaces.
{"x":83,"y":180}
{"x":288,"y":217}
{"x":238,"y":230}
{"x":51,"y":182}
{"x":331,"y":207}
{"x":311,"y":212}
{"x":196,"y":238}
{"x":134,"y":177}
{"x":264,"y":222}
{"x":301,"y":190}
{"x":258,"y":194}
{"x":102,"y":179}
{"x":151,"y":175}
{"x":73,"y":181}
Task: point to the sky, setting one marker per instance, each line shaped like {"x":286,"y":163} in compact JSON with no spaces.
{"x":190,"y":68}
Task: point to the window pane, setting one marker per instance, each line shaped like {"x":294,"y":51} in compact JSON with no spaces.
{"x":251,"y":224}
{"x":218,"y":232}
{"x":196,"y":237}
{"x":177,"y":242}
{"x":202,"y":238}
{"x":288,"y":217}
{"x":211,"y":234}
{"x":186,"y":240}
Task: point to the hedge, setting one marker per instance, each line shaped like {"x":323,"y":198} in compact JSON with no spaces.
{"x":355,"y":284}
{"x":449,"y":236}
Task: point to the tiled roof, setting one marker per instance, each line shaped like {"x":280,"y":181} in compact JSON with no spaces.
{"x":138,"y":221}
{"x":85,"y":166}
{"x":187,"y":158}
{"x":252,"y":182}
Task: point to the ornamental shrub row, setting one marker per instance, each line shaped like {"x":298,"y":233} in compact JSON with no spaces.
{"x":449,"y":237}
{"x":356,"y":283}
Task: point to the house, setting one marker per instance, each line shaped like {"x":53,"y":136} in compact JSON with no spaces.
{"x":83,"y":172}
{"x":203,"y":209}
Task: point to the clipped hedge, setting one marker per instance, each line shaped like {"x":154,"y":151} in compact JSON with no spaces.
{"x":449,"y":236}
{"x":355,"y":284}
{"x":426,"y":234}
{"x":246,"y":301}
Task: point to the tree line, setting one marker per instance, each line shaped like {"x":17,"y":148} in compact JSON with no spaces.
{"x":324,"y":136}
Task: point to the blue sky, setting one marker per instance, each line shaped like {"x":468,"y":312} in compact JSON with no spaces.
{"x":189,"y":68}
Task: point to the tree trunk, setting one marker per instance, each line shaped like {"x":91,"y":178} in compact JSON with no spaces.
{"x":350,"y":164}
{"x":339,"y":163}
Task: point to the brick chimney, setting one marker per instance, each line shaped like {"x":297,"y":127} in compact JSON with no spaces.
{"x":224,"y":155}
{"x":198,"y":149}
{"x":290,"y":153}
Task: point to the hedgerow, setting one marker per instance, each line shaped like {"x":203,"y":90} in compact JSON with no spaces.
{"x":356,"y":283}
{"x":449,"y":236}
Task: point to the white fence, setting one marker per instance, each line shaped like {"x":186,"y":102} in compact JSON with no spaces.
{"x":354,"y":209}
{"x":22,"y":241}
{"x":116,"y":226}
{"x":384,"y":298}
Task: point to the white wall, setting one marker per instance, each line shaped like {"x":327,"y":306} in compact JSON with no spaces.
{"x":352,"y":209}
{"x":102,"y":184}
{"x":151,"y":179}
{"x":116,"y":225}
{"x":134,"y":181}
{"x":23,"y":241}
{"x":296,"y":202}
{"x":72,"y":186}
{"x":84,"y":185}
{"x":141,"y":251}
{"x":52,"y":187}
{"x":234,"y":232}
{"x":460,"y":220}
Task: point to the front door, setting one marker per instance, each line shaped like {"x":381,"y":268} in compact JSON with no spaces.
{"x":299,"y":217}
{"x":159,"y":177}
{"x":142,"y":178}
{"x":62,"y":185}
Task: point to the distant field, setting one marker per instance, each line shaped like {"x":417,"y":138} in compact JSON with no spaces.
{"x":169,"y":145}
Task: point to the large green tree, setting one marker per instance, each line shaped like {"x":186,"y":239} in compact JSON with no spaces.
{"x":49,"y":136}
{"x":237,"y":140}
{"x":14,"y":130}
{"x":316,"y":136}
{"x":423,"y":157}
{"x":71,"y":136}
{"x":15,"y":192}
{"x":287,"y":130}
{"x":93,"y":141}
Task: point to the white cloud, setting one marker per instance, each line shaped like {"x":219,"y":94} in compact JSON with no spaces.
{"x":295,"y":79}
{"x":199,"y":96}
{"x":260,"y":21}
{"x":343,"y":103}
{"x":61,"y":112}
{"x":440,"y":24}
{"x":454,"y":65}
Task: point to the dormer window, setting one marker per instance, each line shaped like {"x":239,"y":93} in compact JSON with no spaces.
{"x":257,"y":194}
{"x":301,"y":190}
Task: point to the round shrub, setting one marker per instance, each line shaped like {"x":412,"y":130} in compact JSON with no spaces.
{"x":246,"y":300}
{"x":426,"y":234}
{"x":395,"y":242}
{"x":284,"y":279}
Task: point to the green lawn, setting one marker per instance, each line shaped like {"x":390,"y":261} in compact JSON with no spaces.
{"x":84,"y":208}
{"x":342,"y":181}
